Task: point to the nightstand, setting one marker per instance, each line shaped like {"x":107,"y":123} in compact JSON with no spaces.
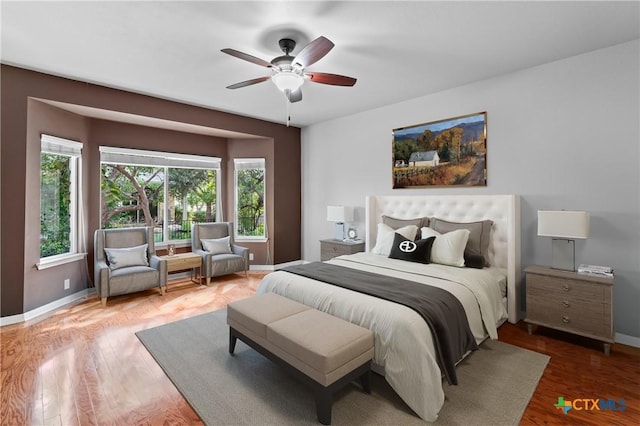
{"x":575,"y":303}
{"x":332,"y":248}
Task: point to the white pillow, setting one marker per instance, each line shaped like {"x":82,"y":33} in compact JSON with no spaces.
{"x":217,"y":245}
{"x":129,"y":256}
{"x":384,"y":240}
{"x":447,"y":249}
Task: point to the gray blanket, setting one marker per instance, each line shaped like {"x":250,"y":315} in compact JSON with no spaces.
{"x":442,"y":311}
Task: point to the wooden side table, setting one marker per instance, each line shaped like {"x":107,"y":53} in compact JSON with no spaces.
{"x":575,"y":303}
{"x":184,"y":261}
{"x":332,"y":248}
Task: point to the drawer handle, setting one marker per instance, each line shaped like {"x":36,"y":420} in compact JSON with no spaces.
{"x":565,"y":319}
{"x":565,"y":304}
{"x":565,"y":287}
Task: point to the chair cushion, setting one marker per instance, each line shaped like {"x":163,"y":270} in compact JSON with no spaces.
{"x":133,"y":278}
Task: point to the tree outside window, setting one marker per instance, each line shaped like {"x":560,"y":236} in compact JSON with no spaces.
{"x":250,"y":196}
{"x":55,"y":204}
{"x":168,"y":198}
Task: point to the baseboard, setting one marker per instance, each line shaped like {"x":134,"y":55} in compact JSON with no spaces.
{"x":48,"y":308}
{"x":275,"y":267}
{"x":628,"y":340}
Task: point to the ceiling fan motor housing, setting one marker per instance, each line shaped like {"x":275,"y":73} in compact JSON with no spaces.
{"x":287,"y":45}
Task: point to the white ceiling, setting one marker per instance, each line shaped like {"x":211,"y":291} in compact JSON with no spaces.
{"x":396,"y":50}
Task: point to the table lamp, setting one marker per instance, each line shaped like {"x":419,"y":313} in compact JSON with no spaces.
{"x":564,"y":227}
{"x":340,"y":215}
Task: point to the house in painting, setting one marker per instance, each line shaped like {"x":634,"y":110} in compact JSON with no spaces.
{"x":425,"y":158}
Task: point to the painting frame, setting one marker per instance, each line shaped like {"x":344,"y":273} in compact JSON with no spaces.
{"x":450,"y":152}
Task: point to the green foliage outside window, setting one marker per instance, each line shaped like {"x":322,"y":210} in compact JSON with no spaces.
{"x":55,"y":199}
{"x":250,"y":198}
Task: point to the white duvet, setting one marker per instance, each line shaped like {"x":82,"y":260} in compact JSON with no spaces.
{"x":403,"y":344}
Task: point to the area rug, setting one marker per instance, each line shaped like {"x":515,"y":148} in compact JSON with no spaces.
{"x":495,"y":383}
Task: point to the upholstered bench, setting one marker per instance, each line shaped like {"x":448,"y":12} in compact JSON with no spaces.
{"x":323,"y":351}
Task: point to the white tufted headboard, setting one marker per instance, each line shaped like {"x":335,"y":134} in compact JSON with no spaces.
{"x":503,"y":210}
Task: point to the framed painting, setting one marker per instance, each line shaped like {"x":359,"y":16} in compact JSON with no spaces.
{"x":449,"y":152}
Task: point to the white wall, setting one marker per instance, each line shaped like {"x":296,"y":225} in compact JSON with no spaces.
{"x":564,"y":135}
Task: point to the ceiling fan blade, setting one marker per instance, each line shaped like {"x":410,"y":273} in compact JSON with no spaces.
{"x":295,"y":96}
{"x":248,"y":82}
{"x":313,"y":52}
{"x":247,"y":57}
{"x":333,"y":79}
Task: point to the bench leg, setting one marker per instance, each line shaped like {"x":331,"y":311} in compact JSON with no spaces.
{"x":365,"y":381}
{"x":232,"y":341}
{"x":324,"y":401}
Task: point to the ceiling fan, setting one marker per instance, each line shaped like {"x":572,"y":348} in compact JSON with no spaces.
{"x":288,"y":72}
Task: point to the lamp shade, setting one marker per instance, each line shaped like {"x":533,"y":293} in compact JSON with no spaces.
{"x":287,"y":80}
{"x":563,"y":224}
{"x":339,"y":214}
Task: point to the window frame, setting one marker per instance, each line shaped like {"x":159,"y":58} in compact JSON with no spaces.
{"x":73,"y":150}
{"x":246,"y":163}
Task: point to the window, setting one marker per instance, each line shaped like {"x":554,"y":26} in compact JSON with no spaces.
{"x":250,"y":196}
{"x":60,"y":166}
{"x":167,"y":191}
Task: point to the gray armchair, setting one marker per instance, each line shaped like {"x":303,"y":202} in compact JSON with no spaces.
{"x":224,"y":256}
{"x":121,"y":266}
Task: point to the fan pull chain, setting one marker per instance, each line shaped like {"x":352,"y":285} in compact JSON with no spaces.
{"x":286,"y":99}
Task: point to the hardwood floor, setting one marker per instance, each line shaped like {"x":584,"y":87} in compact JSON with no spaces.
{"x":83,"y":365}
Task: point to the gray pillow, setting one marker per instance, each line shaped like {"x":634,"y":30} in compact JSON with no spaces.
{"x":125,"y":257}
{"x":217,"y":245}
{"x":401,"y":223}
{"x":394,"y":223}
{"x":479,"y":237}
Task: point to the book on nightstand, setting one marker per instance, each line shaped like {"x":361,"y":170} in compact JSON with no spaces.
{"x":601,"y":271}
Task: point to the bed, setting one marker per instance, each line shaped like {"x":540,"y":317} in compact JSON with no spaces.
{"x":404,"y":347}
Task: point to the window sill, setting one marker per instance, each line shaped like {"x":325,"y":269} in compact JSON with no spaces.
{"x":250,"y":239}
{"x":54,"y":261}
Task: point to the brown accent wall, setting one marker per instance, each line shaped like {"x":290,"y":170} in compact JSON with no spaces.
{"x":22,"y":289}
{"x":47,"y":284}
{"x":241,"y":148}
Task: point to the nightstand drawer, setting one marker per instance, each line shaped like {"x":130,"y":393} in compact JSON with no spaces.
{"x":569,"y":314}
{"x":551,"y":286}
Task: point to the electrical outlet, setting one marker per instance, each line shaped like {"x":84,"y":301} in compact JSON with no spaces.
{"x":67,"y":284}
{"x":250,"y":256}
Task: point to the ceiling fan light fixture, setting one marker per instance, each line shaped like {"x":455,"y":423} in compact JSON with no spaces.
{"x":287,"y":80}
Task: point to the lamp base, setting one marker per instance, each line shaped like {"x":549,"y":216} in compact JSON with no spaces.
{"x":563,"y":254}
{"x":339,"y":231}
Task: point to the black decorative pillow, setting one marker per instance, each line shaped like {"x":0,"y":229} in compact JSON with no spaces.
{"x":418,"y":251}
{"x":473,"y":261}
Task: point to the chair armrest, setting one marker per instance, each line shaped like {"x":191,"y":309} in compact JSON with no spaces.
{"x":242,"y":251}
{"x":206,"y":261}
{"x":161,"y":265}
{"x":101,"y":278}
